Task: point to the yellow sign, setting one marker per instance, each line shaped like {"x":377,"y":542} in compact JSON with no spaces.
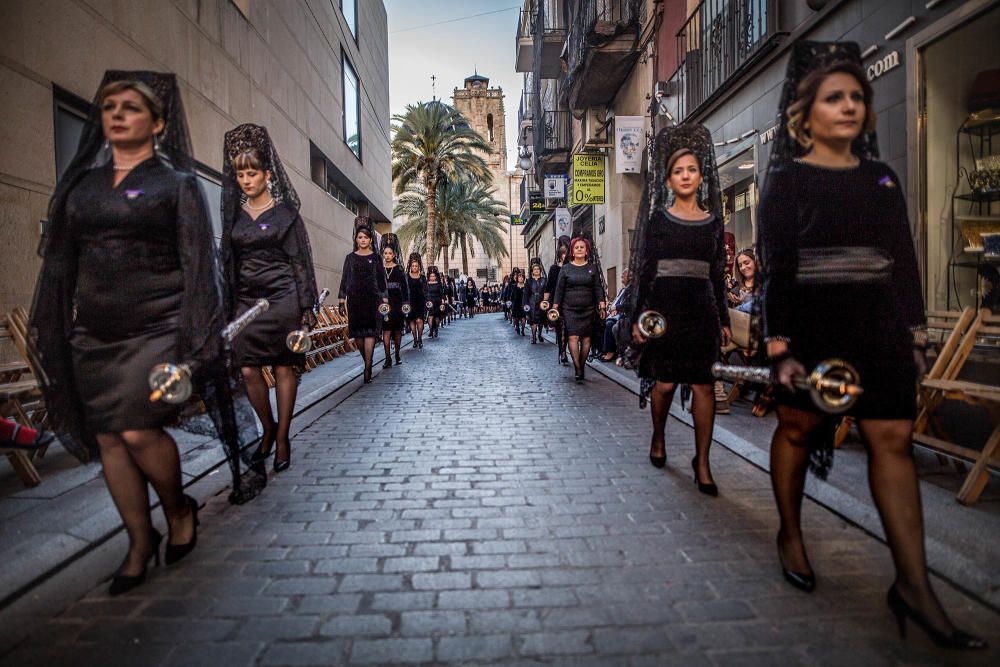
{"x":588,"y":179}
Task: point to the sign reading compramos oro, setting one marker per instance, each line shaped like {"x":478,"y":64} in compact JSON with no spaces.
{"x":588,"y":179}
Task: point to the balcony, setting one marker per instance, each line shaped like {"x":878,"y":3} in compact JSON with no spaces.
{"x":525,"y":118}
{"x":719,"y":40}
{"x":552,"y":134}
{"x":541,"y":34}
{"x":603,"y":45}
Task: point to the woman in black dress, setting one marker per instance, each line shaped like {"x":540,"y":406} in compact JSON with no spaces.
{"x":399,"y":295}
{"x":680,"y":272}
{"x":517,"y":303}
{"x":128,"y":281}
{"x":471,"y":297}
{"x":580,"y":298}
{"x":435,"y":297}
{"x":552,"y":279}
{"x":266,"y":254}
{"x":534,"y":289}
{"x":362,"y":287}
{"x":841,"y":280}
{"x":416,"y":286}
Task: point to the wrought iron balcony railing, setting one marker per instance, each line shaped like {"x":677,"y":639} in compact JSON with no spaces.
{"x":552,"y":134}
{"x":716,"y":41}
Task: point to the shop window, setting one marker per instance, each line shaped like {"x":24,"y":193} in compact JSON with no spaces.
{"x":960,"y":135}
{"x":482,"y":273}
{"x":739,"y":197}
{"x":70,"y":118}
{"x":327,"y":176}
{"x":352,"y":107}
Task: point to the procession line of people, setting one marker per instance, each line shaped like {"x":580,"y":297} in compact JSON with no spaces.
{"x":131,"y":281}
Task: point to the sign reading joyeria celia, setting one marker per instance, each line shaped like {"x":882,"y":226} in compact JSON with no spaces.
{"x":588,"y":179}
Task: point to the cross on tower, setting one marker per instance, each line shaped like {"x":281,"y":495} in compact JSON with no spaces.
{"x":433,"y":87}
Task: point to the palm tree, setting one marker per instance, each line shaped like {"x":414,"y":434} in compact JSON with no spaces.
{"x":466,"y":209}
{"x":434,"y":141}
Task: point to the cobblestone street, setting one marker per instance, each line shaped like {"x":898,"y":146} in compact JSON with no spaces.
{"x":475,"y":506}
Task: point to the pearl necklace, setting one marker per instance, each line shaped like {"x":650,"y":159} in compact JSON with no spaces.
{"x":268,"y":205}
{"x":123,"y":167}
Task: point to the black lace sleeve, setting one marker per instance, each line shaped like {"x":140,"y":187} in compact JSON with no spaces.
{"x":383,"y":290}
{"x":778,"y":250}
{"x":344,"y":278}
{"x":296,"y":246}
{"x":404,"y":284}
{"x":201,"y":317}
{"x":599,"y":293}
{"x":719,"y":274}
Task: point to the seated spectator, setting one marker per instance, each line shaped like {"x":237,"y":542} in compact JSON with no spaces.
{"x":619,"y":307}
{"x":741,"y":295}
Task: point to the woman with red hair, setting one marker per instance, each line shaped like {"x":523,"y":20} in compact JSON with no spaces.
{"x":579,"y":297}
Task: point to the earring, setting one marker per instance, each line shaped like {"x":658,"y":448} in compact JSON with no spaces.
{"x":156,"y":143}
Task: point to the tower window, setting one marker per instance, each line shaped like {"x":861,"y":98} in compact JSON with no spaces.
{"x":489,"y":127}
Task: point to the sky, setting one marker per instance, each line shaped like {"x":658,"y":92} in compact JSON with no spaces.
{"x":451,"y":50}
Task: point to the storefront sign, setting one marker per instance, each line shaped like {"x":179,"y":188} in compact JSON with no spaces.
{"x":535,"y":202}
{"x":630,"y":134}
{"x":880,"y":67}
{"x":588,"y":179}
{"x":555,"y":186}
{"x":768,"y":134}
{"x":564,"y":222}
{"x":516,"y":220}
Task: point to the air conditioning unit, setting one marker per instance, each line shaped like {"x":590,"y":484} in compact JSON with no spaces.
{"x":596,"y":127}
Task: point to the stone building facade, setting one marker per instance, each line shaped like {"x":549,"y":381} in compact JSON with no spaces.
{"x":314,"y":72}
{"x":484,"y":108}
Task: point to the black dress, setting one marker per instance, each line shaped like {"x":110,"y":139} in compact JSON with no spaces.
{"x":854,"y":312}
{"x":517,"y":302}
{"x":534,"y":290}
{"x":434,"y":295}
{"x":578,"y":293}
{"x":269,"y":263}
{"x":396,"y":287}
{"x":362,"y":283}
{"x":417,"y":288}
{"x":131,"y":289}
{"x":682,"y":276}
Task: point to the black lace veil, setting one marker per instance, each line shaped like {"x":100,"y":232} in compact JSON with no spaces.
{"x":806,"y":58}
{"x":657,"y":194}
{"x":246,"y":137}
{"x":392,"y":241}
{"x":212,"y":409}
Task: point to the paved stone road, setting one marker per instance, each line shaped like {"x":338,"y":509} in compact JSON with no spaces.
{"x":474,"y":506}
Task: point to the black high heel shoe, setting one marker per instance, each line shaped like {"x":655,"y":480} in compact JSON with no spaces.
{"x":388,"y":363}
{"x":657,"y":461}
{"x":122,"y":583}
{"x":709,"y":489}
{"x":282,"y":466}
{"x":803,"y":581}
{"x":955,"y":639}
{"x":175,"y":552}
{"x":262,"y":452}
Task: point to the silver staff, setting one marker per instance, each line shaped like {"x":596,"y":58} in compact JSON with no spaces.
{"x":299,"y":341}
{"x":834,"y":385}
{"x":172,"y":382}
